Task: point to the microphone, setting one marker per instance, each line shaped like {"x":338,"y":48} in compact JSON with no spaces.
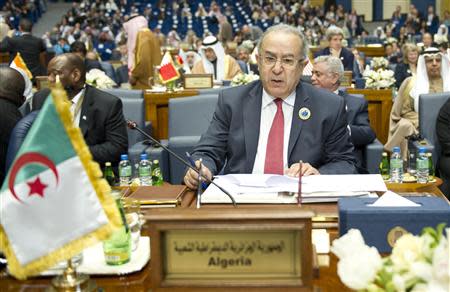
{"x":132,"y":125}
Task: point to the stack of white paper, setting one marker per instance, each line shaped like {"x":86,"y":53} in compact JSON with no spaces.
{"x":279,"y":189}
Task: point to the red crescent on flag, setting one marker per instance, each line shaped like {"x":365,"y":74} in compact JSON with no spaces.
{"x":27,"y":158}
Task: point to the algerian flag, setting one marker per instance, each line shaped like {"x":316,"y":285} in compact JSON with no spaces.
{"x":53,"y":202}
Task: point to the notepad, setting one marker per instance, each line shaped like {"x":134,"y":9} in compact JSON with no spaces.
{"x":159,"y":196}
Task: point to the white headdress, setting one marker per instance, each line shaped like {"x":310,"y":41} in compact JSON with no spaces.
{"x":213,"y":43}
{"x":422,"y":84}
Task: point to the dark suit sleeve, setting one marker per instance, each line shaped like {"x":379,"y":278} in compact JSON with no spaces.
{"x":361,"y":132}
{"x":5,"y":44}
{"x":348,"y":60}
{"x":443,"y":128}
{"x":116,"y":138}
{"x":39,"y":98}
{"x":213,"y":144}
{"x":338,"y":150}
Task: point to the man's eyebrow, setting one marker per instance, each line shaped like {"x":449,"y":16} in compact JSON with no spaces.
{"x":282,"y":56}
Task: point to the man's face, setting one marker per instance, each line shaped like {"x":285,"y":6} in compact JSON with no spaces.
{"x":427,"y":40}
{"x":190,"y":58}
{"x":323,"y":78}
{"x":243,"y":56}
{"x":280,"y":65}
{"x":67,"y":76}
{"x":336,"y":42}
{"x":433,"y":64}
{"x":210,"y":54}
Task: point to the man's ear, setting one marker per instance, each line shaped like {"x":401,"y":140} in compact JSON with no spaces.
{"x":76,"y":75}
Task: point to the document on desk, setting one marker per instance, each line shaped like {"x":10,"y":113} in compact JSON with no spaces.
{"x":279,"y":189}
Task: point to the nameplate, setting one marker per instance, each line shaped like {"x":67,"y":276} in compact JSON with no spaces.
{"x":231,"y":248}
{"x":198,"y":81}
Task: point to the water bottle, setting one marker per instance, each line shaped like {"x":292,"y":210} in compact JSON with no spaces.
{"x":384,"y":166}
{"x":117,"y":248}
{"x":422,"y":166}
{"x":124,"y":170}
{"x":157,"y":178}
{"x":396,"y":166}
{"x":145,"y":171}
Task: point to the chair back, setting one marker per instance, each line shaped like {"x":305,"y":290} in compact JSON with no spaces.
{"x":191,"y":116}
{"x":133,"y":109}
{"x":18,"y":135}
{"x":429,"y":106}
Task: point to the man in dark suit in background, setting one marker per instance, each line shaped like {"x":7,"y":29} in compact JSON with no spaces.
{"x":31,"y":48}
{"x":269,"y":125}
{"x":98,"y":114}
{"x":243,"y":54}
{"x":335,"y":35}
{"x":79,"y":48}
{"x":12,"y":86}
{"x":327,"y":73}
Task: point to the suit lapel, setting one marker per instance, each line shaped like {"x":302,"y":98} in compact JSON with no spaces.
{"x":252,"y":119}
{"x":302,"y":100}
{"x":85,"y":114}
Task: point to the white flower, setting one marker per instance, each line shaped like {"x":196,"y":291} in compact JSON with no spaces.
{"x":359,"y":270}
{"x":441,"y":268}
{"x":241,"y":79}
{"x":399,"y":282}
{"x":407,"y":250}
{"x":346,"y":244}
{"x":358,"y":263}
{"x":99,"y":79}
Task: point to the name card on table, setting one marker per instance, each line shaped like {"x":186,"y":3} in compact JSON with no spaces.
{"x":253,"y":248}
{"x":197,"y":81}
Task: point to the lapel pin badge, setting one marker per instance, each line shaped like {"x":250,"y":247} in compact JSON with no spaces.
{"x":84,"y":118}
{"x":304,"y":113}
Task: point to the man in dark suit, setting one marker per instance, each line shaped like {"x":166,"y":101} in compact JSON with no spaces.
{"x":269,"y":125}
{"x":243,"y":54}
{"x":12,"y":86}
{"x":98,"y":114}
{"x":31,"y":48}
{"x":327,"y":73}
{"x":335,"y":35}
{"x":79,"y":48}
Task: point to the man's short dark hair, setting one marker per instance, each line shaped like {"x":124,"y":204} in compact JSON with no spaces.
{"x":78,"y":47}
{"x":12,"y":85}
{"x":25,"y":25}
{"x":75,"y":62}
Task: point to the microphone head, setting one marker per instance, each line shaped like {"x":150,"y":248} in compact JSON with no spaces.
{"x":131,"y":124}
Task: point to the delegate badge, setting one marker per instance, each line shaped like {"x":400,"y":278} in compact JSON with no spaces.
{"x":304,"y":113}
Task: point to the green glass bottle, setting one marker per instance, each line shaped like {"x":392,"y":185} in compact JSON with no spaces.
{"x":109,"y":174}
{"x":430,"y":167}
{"x":117,"y":248}
{"x":157,"y":178}
{"x":384,"y":166}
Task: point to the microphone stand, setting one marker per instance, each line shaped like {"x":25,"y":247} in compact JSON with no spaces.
{"x":132,"y":125}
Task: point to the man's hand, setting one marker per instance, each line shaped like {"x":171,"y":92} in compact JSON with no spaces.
{"x":191,"y":177}
{"x":307,"y":169}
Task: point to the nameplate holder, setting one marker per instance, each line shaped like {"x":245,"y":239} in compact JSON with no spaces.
{"x":198,"y":81}
{"x":240,"y":248}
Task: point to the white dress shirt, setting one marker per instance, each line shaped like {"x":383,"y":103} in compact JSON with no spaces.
{"x":73,"y":107}
{"x":268,"y":111}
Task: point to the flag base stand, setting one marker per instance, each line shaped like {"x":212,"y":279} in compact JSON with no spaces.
{"x":71,"y":281}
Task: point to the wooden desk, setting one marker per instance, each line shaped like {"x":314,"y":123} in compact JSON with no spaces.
{"x":380,"y":105}
{"x":327,"y":279}
{"x":157,"y":110}
{"x":370,"y":51}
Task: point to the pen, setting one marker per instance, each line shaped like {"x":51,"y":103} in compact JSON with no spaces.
{"x":299,"y":197}
{"x":192,"y":162}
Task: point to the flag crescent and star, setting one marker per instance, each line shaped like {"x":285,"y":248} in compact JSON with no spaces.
{"x":36,"y":186}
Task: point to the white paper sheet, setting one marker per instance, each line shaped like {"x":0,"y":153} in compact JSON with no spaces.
{"x":263,"y":188}
{"x":391,"y":199}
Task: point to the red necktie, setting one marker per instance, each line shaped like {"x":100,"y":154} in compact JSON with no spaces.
{"x":274,"y":150}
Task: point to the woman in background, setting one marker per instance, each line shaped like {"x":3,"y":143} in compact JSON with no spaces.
{"x":409,"y":65}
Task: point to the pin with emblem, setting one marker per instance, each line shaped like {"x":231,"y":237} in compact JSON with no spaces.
{"x":304,"y":113}
{"x":84,"y":118}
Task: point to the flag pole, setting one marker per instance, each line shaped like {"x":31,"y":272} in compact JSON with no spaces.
{"x":70,"y":280}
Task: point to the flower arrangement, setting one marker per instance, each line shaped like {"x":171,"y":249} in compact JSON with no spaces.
{"x":377,"y":75}
{"x":99,"y":79}
{"x":417,"y":263}
{"x":241,"y":79}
